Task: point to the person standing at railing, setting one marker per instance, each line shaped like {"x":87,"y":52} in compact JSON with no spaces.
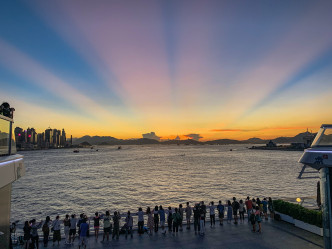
{"x":56,"y":226}
{"x":162,"y":219}
{"x":212,"y":214}
{"x":197,"y":216}
{"x":221,"y":210}
{"x":264,"y":204}
{"x":156,"y":218}
{"x":188,"y":215}
{"x":258,"y":219}
{"x":107,"y":226}
{"x":66,"y":223}
{"x":202,"y":220}
{"x":72,"y":230}
{"x":150,"y":220}
{"x":176,"y":220}
{"x":203,"y":207}
{"x":235,"y":207}
{"x":129,"y":224}
{"x":34,"y":233}
{"x":84,"y":228}
{"x":259,"y":204}
{"x":96,"y":225}
{"x":79,"y":224}
{"x":181,"y":215}
{"x":27,"y":234}
{"x":229,"y":212}
{"x":140,"y":224}
{"x":248,"y":203}
{"x":170,"y":219}
{"x":270,"y":207}
{"x":46,"y":230}
{"x":254,"y":204}
{"x":116,"y":223}
{"x":241,"y":211}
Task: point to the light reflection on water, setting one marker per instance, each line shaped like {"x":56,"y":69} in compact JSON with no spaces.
{"x":60,"y":181}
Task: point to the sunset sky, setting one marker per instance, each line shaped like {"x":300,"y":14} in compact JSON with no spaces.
{"x":221,"y":69}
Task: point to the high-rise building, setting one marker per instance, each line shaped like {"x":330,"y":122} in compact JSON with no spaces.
{"x":63,"y":138}
{"x":19,"y":135}
{"x":48,"y":137}
{"x":31,"y":136}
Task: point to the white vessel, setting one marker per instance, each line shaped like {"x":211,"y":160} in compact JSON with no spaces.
{"x":11,"y":169}
{"x":320,"y":153}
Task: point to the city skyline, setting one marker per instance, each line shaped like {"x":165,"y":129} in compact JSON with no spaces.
{"x":212,"y":69}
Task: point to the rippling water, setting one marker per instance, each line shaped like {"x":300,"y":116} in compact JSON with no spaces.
{"x":60,"y":181}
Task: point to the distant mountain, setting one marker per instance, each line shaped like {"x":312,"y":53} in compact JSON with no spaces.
{"x":255,"y":140}
{"x":224,"y":141}
{"x":107,"y":140}
{"x":94,"y":140}
{"x":299,"y":138}
{"x":185,"y":142}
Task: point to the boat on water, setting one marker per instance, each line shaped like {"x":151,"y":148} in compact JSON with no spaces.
{"x":320,"y":152}
{"x":76,"y":151}
{"x":119,"y":148}
{"x":11,"y":169}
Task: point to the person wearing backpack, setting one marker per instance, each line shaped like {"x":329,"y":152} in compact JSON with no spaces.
{"x":176,"y":220}
{"x":46,"y":230}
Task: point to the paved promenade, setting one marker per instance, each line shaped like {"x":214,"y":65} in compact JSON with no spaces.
{"x":275,"y":234}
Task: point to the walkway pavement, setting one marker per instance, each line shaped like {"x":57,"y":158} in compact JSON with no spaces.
{"x":275,"y":234}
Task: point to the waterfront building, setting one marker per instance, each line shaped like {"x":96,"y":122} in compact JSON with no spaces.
{"x":63,"y":138}
{"x":49,"y":135}
{"x":11,"y":169}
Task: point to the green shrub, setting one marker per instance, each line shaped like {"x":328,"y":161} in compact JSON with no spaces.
{"x":298,"y":212}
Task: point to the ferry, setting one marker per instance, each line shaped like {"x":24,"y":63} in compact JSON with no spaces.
{"x":11,"y":169}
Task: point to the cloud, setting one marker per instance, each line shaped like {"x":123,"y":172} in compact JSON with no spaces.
{"x":151,"y":135}
{"x":194,"y":136}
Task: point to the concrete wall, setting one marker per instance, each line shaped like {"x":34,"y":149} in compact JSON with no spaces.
{"x":5,"y":199}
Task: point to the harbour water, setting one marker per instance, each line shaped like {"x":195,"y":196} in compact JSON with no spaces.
{"x":60,"y":181}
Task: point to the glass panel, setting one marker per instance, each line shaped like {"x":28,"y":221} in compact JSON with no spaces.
{"x":323,"y":138}
{"x":4,"y":137}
